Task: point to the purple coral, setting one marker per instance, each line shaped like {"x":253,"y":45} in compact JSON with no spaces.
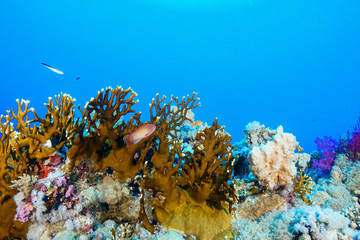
{"x":61,"y":182}
{"x":326,"y":148}
{"x":70,"y":191}
{"x":350,"y":144}
{"x":23,"y":214}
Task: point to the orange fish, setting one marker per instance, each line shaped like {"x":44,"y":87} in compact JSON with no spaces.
{"x":196,"y":123}
{"x":140,"y":134}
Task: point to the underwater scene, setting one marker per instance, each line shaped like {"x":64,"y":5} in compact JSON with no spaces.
{"x":180,"y":120}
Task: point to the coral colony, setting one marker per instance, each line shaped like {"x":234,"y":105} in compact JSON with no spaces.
{"x":104,"y":174}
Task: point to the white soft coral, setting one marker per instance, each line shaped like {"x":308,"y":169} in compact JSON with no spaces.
{"x":272,"y":163}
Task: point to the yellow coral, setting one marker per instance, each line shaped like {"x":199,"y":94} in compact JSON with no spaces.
{"x":302,"y":187}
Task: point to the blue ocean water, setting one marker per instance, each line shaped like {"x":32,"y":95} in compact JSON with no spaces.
{"x":286,"y":62}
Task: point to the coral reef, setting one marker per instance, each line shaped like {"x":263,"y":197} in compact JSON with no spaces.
{"x":306,"y":222}
{"x":108,"y":175}
{"x":276,"y":213}
{"x":337,"y":191}
{"x":104,"y":172}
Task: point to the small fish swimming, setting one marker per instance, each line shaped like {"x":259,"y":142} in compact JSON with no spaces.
{"x":140,"y":134}
{"x":196,"y":123}
{"x":52,"y":68}
{"x":77,"y":78}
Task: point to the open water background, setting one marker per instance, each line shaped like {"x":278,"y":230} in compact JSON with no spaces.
{"x":286,"y":62}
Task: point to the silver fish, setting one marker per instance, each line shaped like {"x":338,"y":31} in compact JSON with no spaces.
{"x":52,"y":68}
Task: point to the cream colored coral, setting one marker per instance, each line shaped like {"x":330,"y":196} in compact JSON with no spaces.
{"x":301,"y":161}
{"x":24,"y":183}
{"x":353,"y":177}
{"x":353,"y":213}
{"x":336,"y":173}
{"x":125,"y":231}
{"x":273,"y":162}
{"x":257,"y":134}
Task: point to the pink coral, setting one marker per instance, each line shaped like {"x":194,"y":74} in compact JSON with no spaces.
{"x":70,"y":191}
{"x":61,"y":182}
{"x":23,"y":214}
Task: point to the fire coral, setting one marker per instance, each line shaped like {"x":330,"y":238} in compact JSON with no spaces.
{"x":195,"y":186}
{"x":25,"y":146}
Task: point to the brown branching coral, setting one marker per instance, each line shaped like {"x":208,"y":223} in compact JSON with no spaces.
{"x":195,"y":185}
{"x":166,"y":151}
{"x":104,"y":144}
{"x":5,"y":151}
{"x":104,"y":112}
{"x":8,"y":227}
{"x":168,"y":118}
{"x":28,"y":144}
{"x":24,"y":146}
{"x":209,"y":168}
{"x":58,"y":124}
{"x":102,"y":136}
{"x":187,"y":186}
{"x":302,"y":187}
{"x":55,"y":130}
